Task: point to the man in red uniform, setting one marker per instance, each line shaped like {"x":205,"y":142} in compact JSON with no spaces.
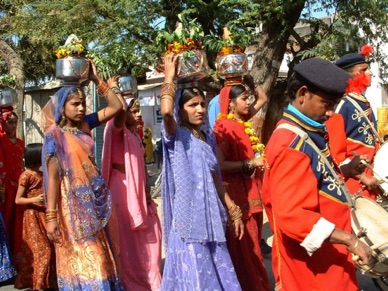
{"x":353,"y":129}
{"x":307,"y":209}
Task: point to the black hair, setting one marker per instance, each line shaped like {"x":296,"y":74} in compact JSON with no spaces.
{"x":237,"y":90}
{"x":293,"y":86}
{"x":188,"y":94}
{"x":33,"y":155}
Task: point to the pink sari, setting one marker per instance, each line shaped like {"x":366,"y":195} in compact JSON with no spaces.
{"x":137,"y":238}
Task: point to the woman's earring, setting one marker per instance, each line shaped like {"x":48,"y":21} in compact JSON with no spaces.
{"x":63,"y":118}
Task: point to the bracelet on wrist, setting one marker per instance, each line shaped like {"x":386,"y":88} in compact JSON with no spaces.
{"x":351,"y":249}
{"x":116,"y":90}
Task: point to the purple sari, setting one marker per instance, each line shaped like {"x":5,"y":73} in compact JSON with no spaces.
{"x":197,"y":257}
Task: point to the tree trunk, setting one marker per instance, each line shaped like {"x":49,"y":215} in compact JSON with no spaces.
{"x":15,"y":67}
{"x":268,"y":58}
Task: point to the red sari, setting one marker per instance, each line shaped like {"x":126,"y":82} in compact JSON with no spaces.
{"x":245,"y":192}
{"x":12,"y":213}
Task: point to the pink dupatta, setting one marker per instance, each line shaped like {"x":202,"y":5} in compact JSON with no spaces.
{"x":134,"y":172}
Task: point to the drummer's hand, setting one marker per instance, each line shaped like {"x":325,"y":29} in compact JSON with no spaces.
{"x":170,"y":66}
{"x":362,"y":253}
{"x":355,"y":167}
{"x":369,"y":181}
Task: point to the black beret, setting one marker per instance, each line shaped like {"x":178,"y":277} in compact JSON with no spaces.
{"x":322,"y":75}
{"x":350,"y":60}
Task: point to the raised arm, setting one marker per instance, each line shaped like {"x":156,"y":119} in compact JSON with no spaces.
{"x":167,"y":94}
{"x":120,"y":118}
{"x":260,"y":99}
{"x":114,"y":103}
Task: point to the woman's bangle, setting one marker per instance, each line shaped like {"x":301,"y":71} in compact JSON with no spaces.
{"x":103,"y":88}
{"x":116,"y":90}
{"x":168,"y":97}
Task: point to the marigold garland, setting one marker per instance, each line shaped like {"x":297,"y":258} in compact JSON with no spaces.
{"x":258,"y":148}
{"x":226,"y":50}
{"x":189,"y":45}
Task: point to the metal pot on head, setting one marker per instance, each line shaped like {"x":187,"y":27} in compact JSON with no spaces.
{"x":72,"y":69}
{"x":128,"y":84}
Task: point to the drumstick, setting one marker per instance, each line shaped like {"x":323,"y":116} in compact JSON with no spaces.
{"x":381,"y":179}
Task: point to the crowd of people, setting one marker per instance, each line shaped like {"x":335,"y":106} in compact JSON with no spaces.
{"x":66,"y":225}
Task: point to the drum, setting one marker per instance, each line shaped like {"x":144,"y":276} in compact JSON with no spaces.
{"x":380,"y":166}
{"x":369,"y":223}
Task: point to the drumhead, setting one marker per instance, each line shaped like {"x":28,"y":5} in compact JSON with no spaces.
{"x":373,"y":218}
{"x":380,"y":164}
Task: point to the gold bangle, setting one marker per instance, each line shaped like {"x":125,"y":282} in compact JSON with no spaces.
{"x":103,"y":88}
{"x":51,"y":220}
{"x":168,"y":97}
{"x":169,"y":83}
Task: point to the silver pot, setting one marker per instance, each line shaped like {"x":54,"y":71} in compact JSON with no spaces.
{"x":72,"y":69}
{"x":128,"y":83}
{"x":8,"y":96}
{"x":232,"y":65}
{"x":192,"y":66}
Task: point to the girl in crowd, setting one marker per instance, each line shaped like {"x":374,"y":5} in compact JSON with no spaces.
{"x":138,"y":235}
{"x":149,"y":148}
{"x":10,"y":171}
{"x":78,"y":201}
{"x":240,"y":167}
{"x":37,"y":265}
{"x":194,"y":217}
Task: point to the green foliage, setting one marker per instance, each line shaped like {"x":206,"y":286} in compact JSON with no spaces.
{"x":240,"y":38}
{"x":185,"y":33}
{"x":7,"y":81}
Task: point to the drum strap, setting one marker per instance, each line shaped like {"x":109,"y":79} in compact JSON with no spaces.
{"x":358,"y":107}
{"x":309,"y":141}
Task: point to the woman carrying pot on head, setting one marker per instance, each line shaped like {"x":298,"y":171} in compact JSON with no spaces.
{"x":137,"y":236}
{"x":194,"y":199}
{"x":78,"y":200}
{"x":240,"y":163}
{"x":10,"y":170}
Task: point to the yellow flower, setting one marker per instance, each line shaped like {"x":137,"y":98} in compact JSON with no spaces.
{"x":230,"y":116}
{"x":247,"y":124}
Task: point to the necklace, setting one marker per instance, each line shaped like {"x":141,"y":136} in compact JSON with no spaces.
{"x":257,"y":146}
{"x":69,"y":129}
{"x":197,"y":134}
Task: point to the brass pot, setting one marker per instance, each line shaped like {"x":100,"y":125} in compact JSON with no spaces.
{"x":8,"y":96}
{"x":192,"y":66}
{"x":72,"y":69}
{"x":232,"y":65}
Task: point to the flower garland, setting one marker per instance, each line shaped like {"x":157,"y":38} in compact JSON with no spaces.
{"x":227,"y":50}
{"x":258,"y":148}
{"x":177,"y":47}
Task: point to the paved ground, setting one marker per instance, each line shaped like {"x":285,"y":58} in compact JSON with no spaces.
{"x":365,"y":283}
